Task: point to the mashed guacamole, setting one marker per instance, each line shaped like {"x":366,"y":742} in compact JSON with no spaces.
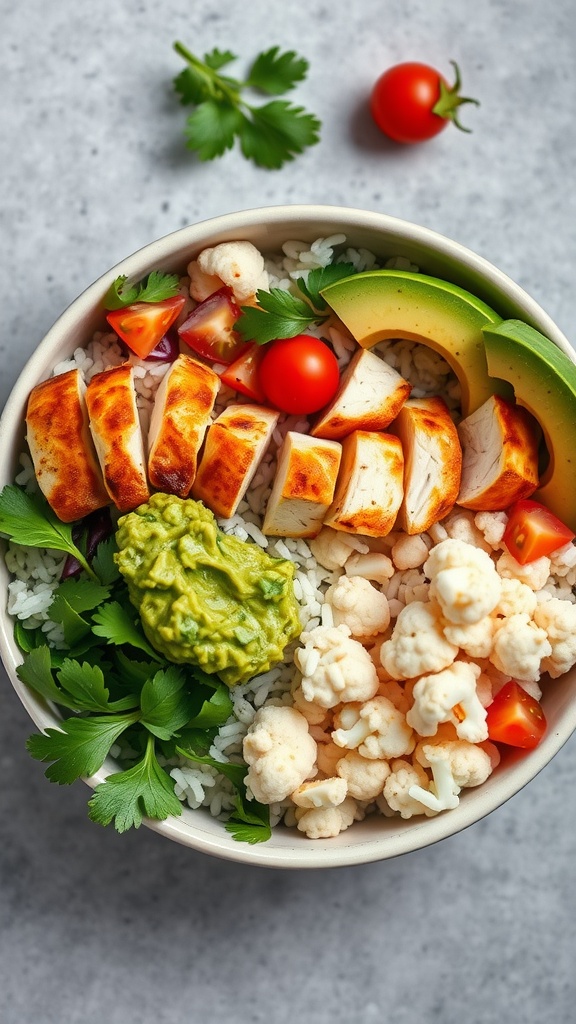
{"x":205,"y":597}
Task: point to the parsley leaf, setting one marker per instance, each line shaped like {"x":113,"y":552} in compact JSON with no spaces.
{"x":126,"y":797}
{"x":155,"y":288}
{"x":279,"y":315}
{"x":36,"y":672}
{"x":103,"y":562}
{"x":79,"y":746}
{"x":166,"y":706}
{"x":30,"y":521}
{"x":250,"y":821}
{"x":85,"y":685}
{"x":215,"y":710}
{"x":270,"y":134}
{"x":275,"y":73}
{"x":115,"y":623}
{"x":320,"y":278}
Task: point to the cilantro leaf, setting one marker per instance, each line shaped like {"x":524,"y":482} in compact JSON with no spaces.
{"x":275,"y":73}
{"x":155,"y":288}
{"x":320,"y":278}
{"x":115,"y":623}
{"x":103,"y":562}
{"x":30,"y":521}
{"x":166,"y":706}
{"x":234,"y":772}
{"x":79,"y":746}
{"x":126,"y":797}
{"x":250,"y":821}
{"x":28,"y":639}
{"x":215,"y":710}
{"x":279,"y":315}
{"x":277,"y":132}
{"x":217,"y":59}
{"x":36,"y":672}
{"x":192,"y":85}
{"x":72,"y":597}
{"x":212,"y":128}
{"x":85,"y":685}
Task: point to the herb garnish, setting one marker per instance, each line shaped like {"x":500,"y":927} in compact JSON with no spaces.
{"x":281,"y":314}
{"x":155,"y":288}
{"x":270,"y":134}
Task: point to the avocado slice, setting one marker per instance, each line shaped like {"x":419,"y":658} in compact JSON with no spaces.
{"x":379,"y":304}
{"x":544,"y":382}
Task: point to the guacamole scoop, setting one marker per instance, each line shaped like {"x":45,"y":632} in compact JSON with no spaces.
{"x":204,"y":597}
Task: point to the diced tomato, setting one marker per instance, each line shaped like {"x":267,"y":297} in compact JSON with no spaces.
{"x":533,"y":531}
{"x":143,"y":324}
{"x":515,"y":718}
{"x":209,"y":329}
{"x":242,"y":374}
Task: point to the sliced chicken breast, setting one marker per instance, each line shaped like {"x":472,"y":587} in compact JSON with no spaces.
{"x":370,"y":484}
{"x":61,"y":447}
{"x":235,"y":444}
{"x":432,"y":462}
{"x":500,"y":455}
{"x":115,"y":428}
{"x":180,"y":418}
{"x":303,"y":487}
{"x":370,"y":395}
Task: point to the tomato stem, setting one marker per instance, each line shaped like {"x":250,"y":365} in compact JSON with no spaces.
{"x":449,"y":101}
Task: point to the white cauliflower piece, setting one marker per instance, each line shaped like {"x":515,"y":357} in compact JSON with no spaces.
{"x":455,"y":764}
{"x":463,"y":580}
{"x":449,"y":696}
{"x":335,"y":667}
{"x":474,"y":638}
{"x":237,"y":264}
{"x":515,"y":598}
{"x":409,"y":552}
{"x":327,"y":758}
{"x":280,"y":753}
{"x":372,"y":565}
{"x":376,"y":729}
{"x":533,"y":574}
{"x":313,"y":713}
{"x":357,"y":604}
{"x":321,"y":793}
{"x":365,"y":777}
{"x":519,"y":647}
{"x":558,"y":619}
{"x":461,"y":525}
{"x":332,"y":548}
{"x":417,"y":644}
{"x":391,"y":689}
{"x":327,"y":822}
{"x":404,"y":777}
{"x":492,"y":526}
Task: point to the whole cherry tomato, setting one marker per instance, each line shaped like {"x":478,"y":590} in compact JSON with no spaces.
{"x":299,"y":375}
{"x":412,"y":102}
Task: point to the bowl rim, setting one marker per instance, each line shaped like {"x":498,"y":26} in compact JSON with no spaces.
{"x":302,"y":853}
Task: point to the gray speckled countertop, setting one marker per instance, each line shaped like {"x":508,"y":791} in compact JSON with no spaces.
{"x":97,"y":928}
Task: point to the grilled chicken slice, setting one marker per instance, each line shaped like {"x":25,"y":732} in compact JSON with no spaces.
{"x":432,"y":462}
{"x":181,"y":414}
{"x":370,"y":484}
{"x":303,"y":487}
{"x":115,"y":427}
{"x":500,"y":455}
{"x":370,"y":395}
{"x":235,"y":444}
{"x":61,"y":447}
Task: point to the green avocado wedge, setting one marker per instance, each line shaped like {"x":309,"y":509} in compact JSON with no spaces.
{"x":544,"y":382}
{"x":379,"y":304}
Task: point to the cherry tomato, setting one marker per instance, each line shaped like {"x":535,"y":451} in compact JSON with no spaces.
{"x":533,"y":531}
{"x":143,"y":324}
{"x":515,"y":718}
{"x":299,"y":375}
{"x":412,"y":102}
{"x":243,"y":374}
{"x":209,"y":329}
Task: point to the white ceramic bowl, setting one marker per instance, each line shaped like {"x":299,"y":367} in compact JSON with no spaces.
{"x":376,"y":838}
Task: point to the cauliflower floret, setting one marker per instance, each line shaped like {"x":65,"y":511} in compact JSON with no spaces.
{"x":398,"y":695}
{"x":533,"y":574}
{"x":515,"y":598}
{"x":461,"y":525}
{"x":313,"y":713}
{"x":474,"y":638}
{"x":417,"y":644}
{"x":519,"y":647}
{"x":409,"y":552}
{"x":335,"y":667}
{"x":327,"y":822}
{"x":332,"y":549}
{"x":492,"y":526}
{"x":327,"y":758}
{"x":321,"y":793}
{"x":463,"y":580}
{"x":280,"y":753}
{"x":403,"y":777}
{"x":372,"y":565}
{"x":376,"y":729}
{"x":364,"y":776}
{"x":455,"y":764}
{"x":449,"y":696}
{"x":558,"y":619}
{"x":357,"y":604}
{"x":237,"y":264}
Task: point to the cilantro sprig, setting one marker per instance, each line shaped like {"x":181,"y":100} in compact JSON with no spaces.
{"x":270,"y":134}
{"x":29,"y":520}
{"x":154,"y":288}
{"x":282,"y":314}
